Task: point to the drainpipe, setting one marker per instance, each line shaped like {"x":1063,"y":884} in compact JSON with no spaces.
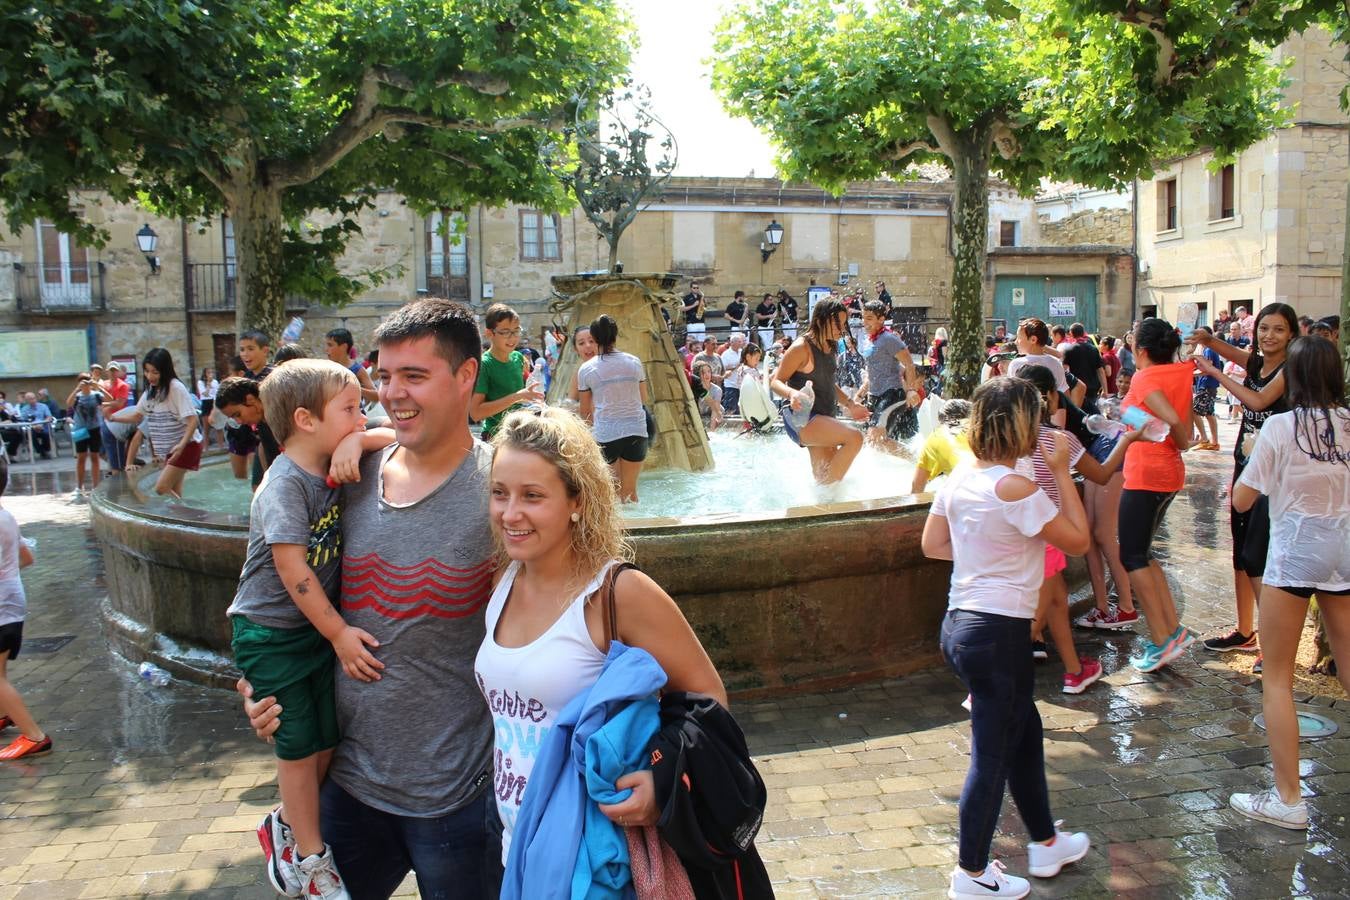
{"x":482,"y":275}
{"x":187,"y":314}
{"x":1134,"y":251}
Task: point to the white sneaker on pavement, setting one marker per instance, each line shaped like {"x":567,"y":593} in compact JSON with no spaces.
{"x":1268,"y":807}
{"x":993,"y":882}
{"x":320,"y":877}
{"x":1045,"y":860}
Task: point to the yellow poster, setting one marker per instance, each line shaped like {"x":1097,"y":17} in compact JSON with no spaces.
{"x":33,"y":354}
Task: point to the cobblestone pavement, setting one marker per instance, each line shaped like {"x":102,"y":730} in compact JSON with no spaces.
{"x":155,"y":791}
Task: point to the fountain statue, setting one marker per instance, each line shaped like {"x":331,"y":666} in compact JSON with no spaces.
{"x":634,"y":301}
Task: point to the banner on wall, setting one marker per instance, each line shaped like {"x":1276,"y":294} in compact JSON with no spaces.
{"x":37,"y":354}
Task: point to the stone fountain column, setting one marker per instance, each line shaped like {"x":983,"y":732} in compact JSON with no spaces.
{"x":634,"y":301}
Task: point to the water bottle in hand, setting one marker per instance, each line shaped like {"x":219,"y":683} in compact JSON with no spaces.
{"x":798,"y":418}
{"x":1099,"y":424}
{"x":1151,"y":428}
{"x":536,"y":379}
{"x":153,"y":674}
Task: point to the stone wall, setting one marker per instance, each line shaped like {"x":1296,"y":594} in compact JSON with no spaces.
{"x":1101,"y":227}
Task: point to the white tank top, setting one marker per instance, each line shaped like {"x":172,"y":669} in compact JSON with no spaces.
{"x":527,"y":687}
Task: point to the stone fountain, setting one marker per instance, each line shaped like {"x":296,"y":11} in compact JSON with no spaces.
{"x":634,"y":301}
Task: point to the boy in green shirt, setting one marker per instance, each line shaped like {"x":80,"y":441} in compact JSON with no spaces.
{"x":502,"y":372}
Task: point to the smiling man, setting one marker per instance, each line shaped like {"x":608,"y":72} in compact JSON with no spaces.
{"x":409,"y":783}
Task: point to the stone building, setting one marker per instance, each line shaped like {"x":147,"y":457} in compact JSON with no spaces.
{"x":1268,"y":227}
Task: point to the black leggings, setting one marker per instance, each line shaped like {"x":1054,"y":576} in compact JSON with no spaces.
{"x":1141,"y":512}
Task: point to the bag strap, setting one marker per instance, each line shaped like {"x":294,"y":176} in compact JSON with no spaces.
{"x":611,"y":612}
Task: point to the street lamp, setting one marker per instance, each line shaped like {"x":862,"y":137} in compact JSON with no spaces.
{"x":147,"y":240}
{"x":773,"y":236}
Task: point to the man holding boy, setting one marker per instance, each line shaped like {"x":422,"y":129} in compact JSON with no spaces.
{"x":409,"y":784}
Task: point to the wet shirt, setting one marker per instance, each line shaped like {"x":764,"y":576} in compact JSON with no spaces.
{"x":1151,"y":466}
{"x":417,"y":576}
{"x":1252,"y":419}
{"x":291,"y":506}
{"x":614,"y":380}
{"x":13,"y":602}
{"x":884,"y":372}
{"x":1038,"y":470}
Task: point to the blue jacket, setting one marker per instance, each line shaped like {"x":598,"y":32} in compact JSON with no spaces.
{"x":563,"y":846}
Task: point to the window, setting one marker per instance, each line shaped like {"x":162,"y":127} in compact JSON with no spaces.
{"x":448,"y":253}
{"x":1167,"y":205}
{"x":539,"y":236}
{"x":1007,"y":234}
{"x":231,"y":259}
{"x":1221,"y":196}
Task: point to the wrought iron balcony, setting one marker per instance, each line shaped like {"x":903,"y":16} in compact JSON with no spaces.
{"x":214,"y":287}
{"x":60,"y":289}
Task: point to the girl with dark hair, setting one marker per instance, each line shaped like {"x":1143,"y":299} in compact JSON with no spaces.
{"x":613,"y":389}
{"x":1154,"y":473}
{"x":169,"y":419}
{"x":207,"y":386}
{"x":832,"y":444}
{"x":1262,"y":395}
{"x":1301,"y":462}
{"x":994,"y":525}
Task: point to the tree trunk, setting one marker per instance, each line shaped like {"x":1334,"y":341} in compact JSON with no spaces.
{"x":970,"y":210}
{"x":614,"y":252}
{"x":258,"y":226}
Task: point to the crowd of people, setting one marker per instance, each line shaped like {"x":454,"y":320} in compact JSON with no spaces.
{"x":402,"y":557}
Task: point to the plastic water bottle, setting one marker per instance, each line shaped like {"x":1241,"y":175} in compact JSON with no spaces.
{"x":798,"y":418}
{"x":536,"y":380}
{"x":1100,"y":424}
{"x":153,"y":674}
{"x":1153,"y":429}
{"x":291,"y":333}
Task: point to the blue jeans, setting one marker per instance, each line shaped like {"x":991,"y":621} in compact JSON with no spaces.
{"x":458,"y":855}
{"x":991,"y":654}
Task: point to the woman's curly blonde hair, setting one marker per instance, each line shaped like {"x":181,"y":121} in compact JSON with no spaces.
{"x":563,"y":439}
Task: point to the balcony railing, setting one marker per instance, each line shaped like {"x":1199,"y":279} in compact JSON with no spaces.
{"x":60,"y":289}
{"x":214,"y":287}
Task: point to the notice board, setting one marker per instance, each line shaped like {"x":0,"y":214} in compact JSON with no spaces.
{"x":35,"y":354}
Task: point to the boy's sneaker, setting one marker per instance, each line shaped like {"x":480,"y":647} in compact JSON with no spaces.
{"x":993,"y":883}
{"x":1235,"y":640}
{"x":320,"y":877}
{"x":1045,"y":860}
{"x":278,"y":846}
{"x":23,"y":747}
{"x":1039,"y":651}
{"x":1119,"y":619}
{"x":1268,"y":807}
{"x":1088,"y":672}
{"x":1150,"y":659}
{"x":1176,"y":645}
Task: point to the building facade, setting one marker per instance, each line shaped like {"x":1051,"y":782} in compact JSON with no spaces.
{"x":1269,"y":226}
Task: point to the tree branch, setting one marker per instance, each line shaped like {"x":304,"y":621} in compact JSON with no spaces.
{"x":900,"y":151}
{"x":492,"y":85}
{"x":1167,"y":69}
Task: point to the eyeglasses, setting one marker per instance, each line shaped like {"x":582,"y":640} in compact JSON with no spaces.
{"x":513,"y":332}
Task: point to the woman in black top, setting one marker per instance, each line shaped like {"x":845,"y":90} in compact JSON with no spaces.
{"x":1262,"y":394}
{"x":832,"y":444}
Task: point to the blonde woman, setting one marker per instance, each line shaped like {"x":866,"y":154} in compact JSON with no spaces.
{"x":554,"y":512}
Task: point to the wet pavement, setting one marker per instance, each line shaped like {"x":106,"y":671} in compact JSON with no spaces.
{"x":155,"y":791}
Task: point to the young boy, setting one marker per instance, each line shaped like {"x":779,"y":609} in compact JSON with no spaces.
{"x":255,"y":348}
{"x":338,"y":345}
{"x":14,"y":555}
{"x":502,"y":372}
{"x":239,"y":398}
{"x":286,"y":627}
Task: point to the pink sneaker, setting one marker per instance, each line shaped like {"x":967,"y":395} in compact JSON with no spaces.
{"x":1089,"y":671}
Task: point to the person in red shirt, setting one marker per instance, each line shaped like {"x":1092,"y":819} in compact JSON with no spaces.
{"x":1112,"y":362}
{"x":116,"y":395}
{"x":1154,"y":473}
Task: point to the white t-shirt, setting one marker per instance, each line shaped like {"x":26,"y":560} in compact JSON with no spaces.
{"x":1309,"y":500}
{"x":13,"y":603}
{"x":1040,"y":359}
{"x":998,"y":562}
{"x":731,"y":364}
{"x":613,"y":379}
{"x":527,"y":687}
{"x":163,"y":419}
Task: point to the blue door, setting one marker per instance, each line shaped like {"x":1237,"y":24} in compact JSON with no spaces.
{"x":1056,"y":300}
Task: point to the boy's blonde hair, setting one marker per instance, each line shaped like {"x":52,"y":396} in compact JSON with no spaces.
{"x":564,"y":440}
{"x":1005,"y":419}
{"x":301,"y":384}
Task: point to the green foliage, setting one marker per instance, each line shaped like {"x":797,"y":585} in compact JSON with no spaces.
{"x":187,"y":104}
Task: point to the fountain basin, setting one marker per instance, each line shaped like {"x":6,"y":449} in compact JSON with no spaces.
{"x":807,"y":596}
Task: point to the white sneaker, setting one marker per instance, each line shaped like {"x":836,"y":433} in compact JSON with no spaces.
{"x":994,"y":882}
{"x":278,"y":844}
{"x":1268,"y":807}
{"x":1045,"y":860}
{"x":320,"y":877}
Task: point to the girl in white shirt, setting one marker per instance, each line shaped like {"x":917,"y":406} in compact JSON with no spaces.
{"x":993,"y":525}
{"x":1301,"y":462}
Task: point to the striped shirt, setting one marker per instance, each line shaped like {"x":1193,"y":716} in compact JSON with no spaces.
{"x":1036,"y":468}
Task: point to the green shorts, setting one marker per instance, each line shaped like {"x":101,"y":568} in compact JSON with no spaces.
{"x":295,"y":665}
